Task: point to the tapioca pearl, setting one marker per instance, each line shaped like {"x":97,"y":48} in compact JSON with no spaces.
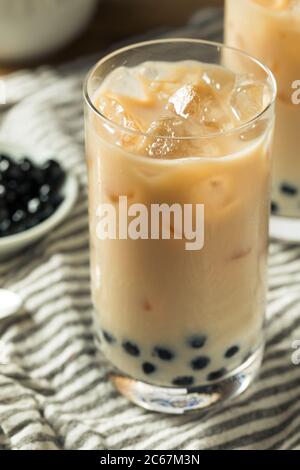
{"x":215,"y":375}
{"x":109,"y":338}
{"x":289,"y":189}
{"x":148,"y":368}
{"x":163,"y":353}
{"x":184,"y":381}
{"x":274,"y":207}
{"x":131,"y":348}
{"x":197,"y":341}
{"x":200,"y":363}
{"x":232,"y":351}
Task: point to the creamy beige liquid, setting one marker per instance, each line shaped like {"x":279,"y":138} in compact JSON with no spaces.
{"x":166,"y":315}
{"x":270,"y":30}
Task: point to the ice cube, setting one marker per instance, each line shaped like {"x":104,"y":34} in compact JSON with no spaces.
{"x":204,"y":108}
{"x":154,"y":70}
{"x":188,"y":100}
{"x":175,"y":137}
{"x":123,"y":136}
{"x":125,"y":81}
{"x":248,"y":99}
{"x":161,"y":141}
{"x":220,"y":80}
{"x":216,"y":116}
{"x":111,"y":108}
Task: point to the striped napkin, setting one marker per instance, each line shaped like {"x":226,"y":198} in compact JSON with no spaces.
{"x":54,"y":393}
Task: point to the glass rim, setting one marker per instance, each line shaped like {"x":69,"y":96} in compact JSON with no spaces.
{"x":216,"y":45}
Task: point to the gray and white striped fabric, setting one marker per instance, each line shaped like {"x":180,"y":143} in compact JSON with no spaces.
{"x":54,"y":393}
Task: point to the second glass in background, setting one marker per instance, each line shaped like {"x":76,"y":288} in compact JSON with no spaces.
{"x":270,"y":31}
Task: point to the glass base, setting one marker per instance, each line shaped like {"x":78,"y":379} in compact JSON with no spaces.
{"x":286,"y":229}
{"x":188,"y":400}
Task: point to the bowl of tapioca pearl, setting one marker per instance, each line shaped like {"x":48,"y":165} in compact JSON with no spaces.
{"x":36,"y":195}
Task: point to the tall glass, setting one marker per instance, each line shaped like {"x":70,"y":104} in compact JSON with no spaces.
{"x":181,"y":327}
{"x":270,"y":30}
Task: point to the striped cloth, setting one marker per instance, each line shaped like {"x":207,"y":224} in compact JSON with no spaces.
{"x":54,"y":393}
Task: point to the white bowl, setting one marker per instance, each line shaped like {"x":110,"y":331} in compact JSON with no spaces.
{"x":30,"y":29}
{"x":15,"y":243}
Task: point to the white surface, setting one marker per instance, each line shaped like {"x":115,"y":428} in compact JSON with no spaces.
{"x":32,"y":28}
{"x":14,"y":243}
{"x":10,"y":303}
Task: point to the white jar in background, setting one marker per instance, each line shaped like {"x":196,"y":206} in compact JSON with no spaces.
{"x":30,"y":29}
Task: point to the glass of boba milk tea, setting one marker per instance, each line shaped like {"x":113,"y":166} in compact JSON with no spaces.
{"x":178,"y":156}
{"x":270,"y":30}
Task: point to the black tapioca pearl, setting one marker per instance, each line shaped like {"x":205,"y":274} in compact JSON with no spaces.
{"x":184,"y":381}
{"x":3,"y":156}
{"x":31,"y":222}
{"x":274,"y":207}
{"x":109,"y":338}
{"x":18,"y":216}
{"x":5,"y":225}
{"x":289,"y":189}
{"x":131,"y":348}
{"x":4,"y":214}
{"x":197,"y":341}
{"x":37,"y":176}
{"x":46,"y":211}
{"x":56,"y":200}
{"x":215,"y":375}
{"x":55,"y":173}
{"x":5,"y":164}
{"x":12,"y":184}
{"x":148,"y":368}
{"x":26,"y":165}
{"x":17,"y":228}
{"x":11,"y":197}
{"x":44,"y":190}
{"x":163,"y":353}
{"x":231,"y":351}
{"x":33,"y":205}
{"x":14,"y":173}
{"x":25,"y":190}
{"x":200,"y":363}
